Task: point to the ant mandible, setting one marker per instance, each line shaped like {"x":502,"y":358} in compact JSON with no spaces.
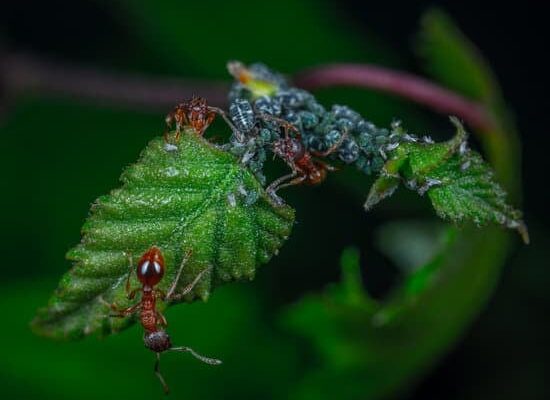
{"x":196,"y":114}
{"x":305,"y":169}
{"x":149,"y":271}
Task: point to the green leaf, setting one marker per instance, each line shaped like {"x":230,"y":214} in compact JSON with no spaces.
{"x":373,"y":349}
{"x":458,"y":182}
{"x":194,"y":197}
{"x":365,"y":351}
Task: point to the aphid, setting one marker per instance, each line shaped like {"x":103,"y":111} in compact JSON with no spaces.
{"x":267,"y":105}
{"x":349,"y":151}
{"x":196,"y":114}
{"x":463,"y":148}
{"x":305,"y":169}
{"x":465,"y":165}
{"x":427,"y":139}
{"x":149,"y":271}
{"x":242,"y":115}
{"x":428,"y":184}
{"x":256,"y":79}
{"x":239,"y":71}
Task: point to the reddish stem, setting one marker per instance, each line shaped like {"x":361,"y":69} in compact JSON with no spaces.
{"x":401,"y":84}
{"x":30,"y":74}
{"x":26,"y":73}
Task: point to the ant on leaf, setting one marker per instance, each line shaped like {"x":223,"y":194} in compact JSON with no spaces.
{"x":195,"y":114}
{"x":149,"y":271}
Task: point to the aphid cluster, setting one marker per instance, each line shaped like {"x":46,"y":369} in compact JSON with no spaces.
{"x":267,"y":115}
{"x":260,"y":99}
{"x":149,"y":271}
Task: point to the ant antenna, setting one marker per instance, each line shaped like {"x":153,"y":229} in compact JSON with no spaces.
{"x":211,"y":361}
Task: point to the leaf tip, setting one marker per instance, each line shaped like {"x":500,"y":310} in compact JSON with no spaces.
{"x":523,"y":232}
{"x":384,"y":187}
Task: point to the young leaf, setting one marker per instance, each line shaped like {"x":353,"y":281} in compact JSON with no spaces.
{"x":458,"y":182}
{"x":189,"y":197}
{"x":366,"y":348}
{"x":445,"y":50}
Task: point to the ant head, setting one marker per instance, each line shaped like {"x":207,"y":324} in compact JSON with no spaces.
{"x":197,"y":105}
{"x":158,"y":341}
{"x":150,"y":268}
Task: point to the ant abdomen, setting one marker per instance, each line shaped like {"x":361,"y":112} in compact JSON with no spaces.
{"x":158,"y":341}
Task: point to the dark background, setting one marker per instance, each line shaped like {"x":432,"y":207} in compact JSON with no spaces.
{"x":503,"y":355}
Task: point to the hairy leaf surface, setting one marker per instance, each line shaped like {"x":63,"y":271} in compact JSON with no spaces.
{"x":192,"y":197}
{"x":458,"y":182}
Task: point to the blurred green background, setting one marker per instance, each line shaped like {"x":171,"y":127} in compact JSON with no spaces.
{"x":434,"y":324}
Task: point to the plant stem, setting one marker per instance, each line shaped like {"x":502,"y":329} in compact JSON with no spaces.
{"x":30,"y":74}
{"x":401,"y":84}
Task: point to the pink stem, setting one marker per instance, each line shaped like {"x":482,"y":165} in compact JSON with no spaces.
{"x":401,"y":84}
{"x":31,"y":74}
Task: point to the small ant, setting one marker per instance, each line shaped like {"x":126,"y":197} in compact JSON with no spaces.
{"x":305,"y":169}
{"x":196,"y":114}
{"x":149,"y":271}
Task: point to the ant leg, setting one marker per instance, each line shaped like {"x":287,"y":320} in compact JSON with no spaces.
{"x":178,"y":275}
{"x":273,"y":186}
{"x":331,"y":149}
{"x":120,"y":312}
{"x":130,"y":294}
{"x":279,"y":183}
{"x":211,"y":361}
{"x":209,"y":119}
{"x":181,"y":120}
{"x":169,"y":119}
{"x":188,"y":288}
{"x":276,"y":184}
{"x":131,"y":264}
{"x":170,"y":295}
{"x":124,"y":312}
{"x":161,"y":319}
{"x":326,"y":166}
{"x":159,"y":375}
{"x":295,"y":181}
{"x":282,"y":122}
{"x":160,"y":294}
{"x":238,"y":134}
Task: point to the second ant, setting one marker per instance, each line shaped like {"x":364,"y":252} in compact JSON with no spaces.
{"x":149,"y":271}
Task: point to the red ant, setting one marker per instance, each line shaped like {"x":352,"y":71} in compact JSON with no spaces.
{"x":149,"y":271}
{"x":196,"y":114}
{"x":305,"y":169}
